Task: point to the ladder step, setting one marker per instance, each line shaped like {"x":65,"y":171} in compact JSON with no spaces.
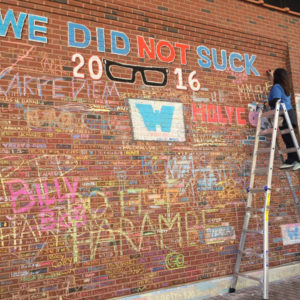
{"x":250,"y":277}
{"x":270,"y":113}
{"x":256,"y":190}
{"x":261,"y":171}
{"x":289,"y":150}
{"x":254,"y":231}
{"x":268,"y":131}
{"x":251,"y":209}
{"x":260,"y":255}
{"x":284,"y":131}
{"x":263,"y":150}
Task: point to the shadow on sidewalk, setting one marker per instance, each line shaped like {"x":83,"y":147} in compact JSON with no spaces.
{"x":288,"y":289}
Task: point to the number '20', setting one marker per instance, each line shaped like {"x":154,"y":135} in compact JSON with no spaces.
{"x":93,"y":61}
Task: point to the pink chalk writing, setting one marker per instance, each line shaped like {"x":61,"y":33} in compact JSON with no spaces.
{"x":23,"y":200}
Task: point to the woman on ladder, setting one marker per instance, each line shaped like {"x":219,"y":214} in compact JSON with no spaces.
{"x":281,"y":89}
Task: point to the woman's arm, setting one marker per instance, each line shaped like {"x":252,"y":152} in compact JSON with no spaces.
{"x":273,"y":102}
{"x":270,"y":74}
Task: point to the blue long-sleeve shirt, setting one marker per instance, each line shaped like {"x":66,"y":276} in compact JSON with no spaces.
{"x":277,"y":92}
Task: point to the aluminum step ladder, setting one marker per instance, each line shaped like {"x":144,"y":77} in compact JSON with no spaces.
{"x":273,"y":116}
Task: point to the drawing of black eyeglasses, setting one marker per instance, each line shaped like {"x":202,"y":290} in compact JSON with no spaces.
{"x":151,"y":75}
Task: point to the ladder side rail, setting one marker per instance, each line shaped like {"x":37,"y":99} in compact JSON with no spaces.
{"x":248,"y":213}
{"x":254,"y":160}
{"x":296,"y":144}
{"x":287,"y":174}
{"x":292,"y":131}
{"x":267,"y":204}
{"x":288,"y":130}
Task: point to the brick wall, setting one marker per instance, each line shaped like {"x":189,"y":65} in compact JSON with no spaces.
{"x":126,"y":142}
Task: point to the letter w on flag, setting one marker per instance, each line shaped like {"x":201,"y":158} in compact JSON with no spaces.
{"x":157,"y":120}
{"x":153,"y":118}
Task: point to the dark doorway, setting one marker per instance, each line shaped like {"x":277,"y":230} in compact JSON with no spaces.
{"x":292,"y":4}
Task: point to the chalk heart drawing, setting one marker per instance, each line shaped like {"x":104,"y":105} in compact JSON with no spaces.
{"x":157,"y":120}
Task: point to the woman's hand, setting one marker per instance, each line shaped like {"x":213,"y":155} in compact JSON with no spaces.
{"x":270,"y":74}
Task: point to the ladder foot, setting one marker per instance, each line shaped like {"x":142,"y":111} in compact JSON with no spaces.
{"x":231,"y":290}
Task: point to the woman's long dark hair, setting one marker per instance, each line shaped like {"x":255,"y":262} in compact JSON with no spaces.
{"x":281,"y":77}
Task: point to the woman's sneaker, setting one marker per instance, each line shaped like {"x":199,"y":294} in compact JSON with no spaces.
{"x":287,"y":165}
{"x":296,"y":166}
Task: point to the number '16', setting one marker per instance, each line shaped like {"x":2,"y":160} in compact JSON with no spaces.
{"x":193,"y":82}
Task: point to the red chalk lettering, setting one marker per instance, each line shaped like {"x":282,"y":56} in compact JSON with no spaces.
{"x":183,"y":48}
{"x":199,"y":110}
{"x":215,"y":114}
{"x":171,"y":55}
{"x":229,"y":112}
{"x":221,"y":118}
{"x":211,"y":113}
{"x":239,"y":120}
{"x":144,"y":48}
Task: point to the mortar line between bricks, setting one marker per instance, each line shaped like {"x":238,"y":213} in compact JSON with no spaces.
{"x":218,"y":29}
{"x":211,"y":25}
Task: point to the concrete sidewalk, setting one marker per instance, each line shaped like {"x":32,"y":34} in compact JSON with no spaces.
{"x":284,"y":285}
{"x":288,"y":289}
